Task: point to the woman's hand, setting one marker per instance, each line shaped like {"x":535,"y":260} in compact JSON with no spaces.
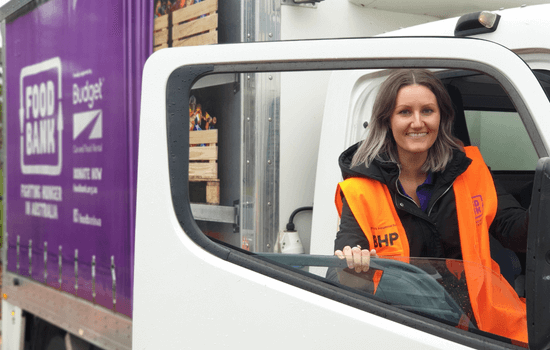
{"x":356,"y":258}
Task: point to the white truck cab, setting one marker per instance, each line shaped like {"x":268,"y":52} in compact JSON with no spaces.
{"x":234,"y":289}
{"x":231,"y":244}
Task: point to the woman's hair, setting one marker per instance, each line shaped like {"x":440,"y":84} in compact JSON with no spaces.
{"x":380,"y":138}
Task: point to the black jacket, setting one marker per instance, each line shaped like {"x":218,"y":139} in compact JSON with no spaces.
{"x":433,"y":233}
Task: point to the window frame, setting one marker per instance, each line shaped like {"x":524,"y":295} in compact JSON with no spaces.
{"x":178,"y":87}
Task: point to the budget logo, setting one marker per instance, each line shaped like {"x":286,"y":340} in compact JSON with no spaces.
{"x":88,"y":131}
{"x":88,"y":125}
{"x":41,"y":118}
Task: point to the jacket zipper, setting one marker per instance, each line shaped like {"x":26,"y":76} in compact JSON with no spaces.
{"x":398,"y":191}
{"x":404,"y":196}
{"x":410,"y":199}
{"x":438,"y":198}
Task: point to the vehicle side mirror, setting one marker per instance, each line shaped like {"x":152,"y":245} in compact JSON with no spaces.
{"x":538,"y":260}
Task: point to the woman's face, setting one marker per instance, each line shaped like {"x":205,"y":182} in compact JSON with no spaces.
{"x":415,"y":120}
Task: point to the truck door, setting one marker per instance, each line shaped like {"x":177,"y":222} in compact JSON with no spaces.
{"x":205,"y":288}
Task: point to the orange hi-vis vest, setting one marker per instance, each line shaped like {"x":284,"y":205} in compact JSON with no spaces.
{"x":497,"y":309}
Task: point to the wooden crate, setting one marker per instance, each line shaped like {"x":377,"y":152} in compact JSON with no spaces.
{"x":203,"y":162}
{"x":161,"y":31}
{"x":196,"y":24}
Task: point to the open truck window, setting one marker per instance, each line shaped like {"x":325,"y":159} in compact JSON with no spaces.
{"x":253,"y":202}
{"x":228,"y":142}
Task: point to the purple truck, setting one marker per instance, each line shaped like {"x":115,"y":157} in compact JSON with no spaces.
{"x":72,"y":93}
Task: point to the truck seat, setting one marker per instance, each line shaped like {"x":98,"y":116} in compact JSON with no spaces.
{"x":460,"y":129}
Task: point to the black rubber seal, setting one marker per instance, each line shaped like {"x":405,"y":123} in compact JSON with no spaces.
{"x":537,"y":282}
{"x":178,"y":87}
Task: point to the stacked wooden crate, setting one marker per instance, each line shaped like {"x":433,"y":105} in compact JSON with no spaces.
{"x":203,"y":162}
{"x":192,"y":25}
{"x":196,"y":24}
{"x":160,"y":32}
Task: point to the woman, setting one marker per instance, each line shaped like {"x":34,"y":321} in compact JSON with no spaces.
{"x":411,"y":189}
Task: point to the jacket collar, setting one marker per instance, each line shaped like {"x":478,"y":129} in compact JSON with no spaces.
{"x":387,"y":172}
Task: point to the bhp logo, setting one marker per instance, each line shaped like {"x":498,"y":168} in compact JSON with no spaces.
{"x":385,"y":240}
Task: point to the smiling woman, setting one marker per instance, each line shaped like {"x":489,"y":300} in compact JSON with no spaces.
{"x":415,"y":122}
{"x":409,"y":86}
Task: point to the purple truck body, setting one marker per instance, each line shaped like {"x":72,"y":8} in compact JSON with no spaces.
{"x":72,"y":87}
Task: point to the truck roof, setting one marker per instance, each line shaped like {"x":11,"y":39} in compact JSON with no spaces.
{"x":519,"y":28}
{"x":441,"y":8}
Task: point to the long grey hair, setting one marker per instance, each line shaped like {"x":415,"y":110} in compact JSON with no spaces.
{"x":380,"y":138}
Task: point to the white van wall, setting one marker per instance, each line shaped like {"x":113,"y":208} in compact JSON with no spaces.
{"x":302,"y":98}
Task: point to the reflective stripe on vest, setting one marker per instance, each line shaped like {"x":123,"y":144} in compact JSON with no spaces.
{"x":496,"y":306}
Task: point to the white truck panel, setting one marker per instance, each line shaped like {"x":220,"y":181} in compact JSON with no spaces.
{"x":442,"y":9}
{"x":342,"y":19}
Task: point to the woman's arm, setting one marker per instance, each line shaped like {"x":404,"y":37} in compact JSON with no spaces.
{"x":351,"y":243}
{"x":350,"y":233}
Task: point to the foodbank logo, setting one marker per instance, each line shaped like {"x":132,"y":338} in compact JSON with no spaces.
{"x":41,"y":118}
